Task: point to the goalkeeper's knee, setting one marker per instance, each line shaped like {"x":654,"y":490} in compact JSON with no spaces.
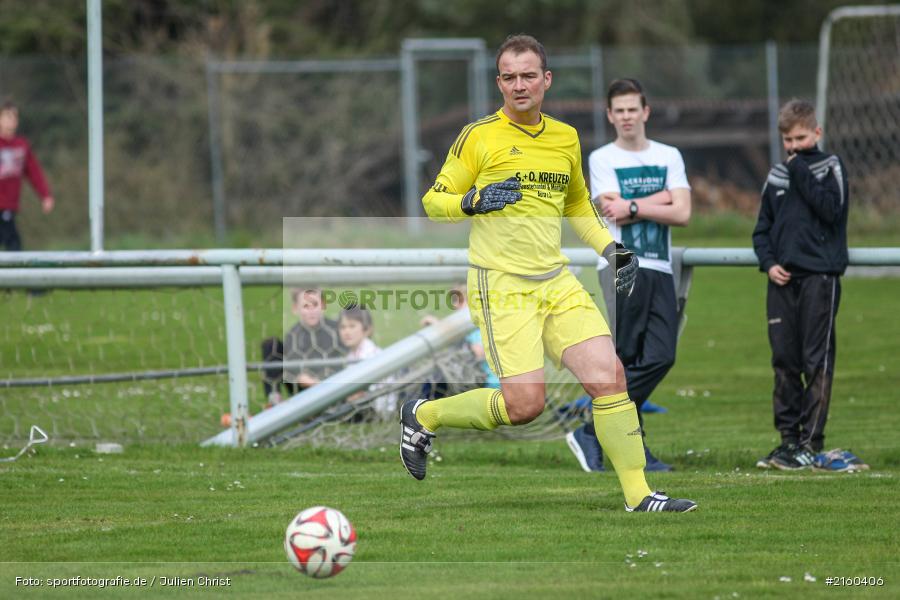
{"x":524,"y":406}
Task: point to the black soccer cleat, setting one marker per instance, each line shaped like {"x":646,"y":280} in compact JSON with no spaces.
{"x":766,"y":461}
{"x":659,"y":502}
{"x":415,"y":440}
{"x":792,"y":457}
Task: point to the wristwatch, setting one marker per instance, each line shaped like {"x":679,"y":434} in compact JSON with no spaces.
{"x":633,"y":209}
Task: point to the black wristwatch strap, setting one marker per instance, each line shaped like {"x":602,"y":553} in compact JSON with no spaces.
{"x":633,"y":208}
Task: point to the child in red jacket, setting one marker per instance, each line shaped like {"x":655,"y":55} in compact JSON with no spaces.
{"x":16,"y":160}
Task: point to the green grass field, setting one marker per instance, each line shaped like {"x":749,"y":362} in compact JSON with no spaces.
{"x":502,"y":519}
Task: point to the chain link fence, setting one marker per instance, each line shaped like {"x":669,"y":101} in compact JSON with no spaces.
{"x":330,"y":143}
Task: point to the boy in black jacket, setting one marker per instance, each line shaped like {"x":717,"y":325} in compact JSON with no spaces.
{"x":800,"y":240}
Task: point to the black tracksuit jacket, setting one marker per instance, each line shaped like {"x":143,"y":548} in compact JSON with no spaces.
{"x":802,"y":222}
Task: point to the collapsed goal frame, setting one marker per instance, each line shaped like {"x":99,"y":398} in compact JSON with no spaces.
{"x":233,"y":269}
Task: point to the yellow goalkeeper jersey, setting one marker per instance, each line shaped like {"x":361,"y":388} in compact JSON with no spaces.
{"x":523,"y":238}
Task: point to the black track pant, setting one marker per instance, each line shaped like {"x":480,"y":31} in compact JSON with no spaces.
{"x":801,"y":318}
{"x":10,"y":241}
{"x":645,"y":332}
{"x":9,"y":235}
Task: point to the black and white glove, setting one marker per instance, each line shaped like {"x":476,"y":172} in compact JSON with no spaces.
{"x":494,"y":196}
{"x":626,"y":266}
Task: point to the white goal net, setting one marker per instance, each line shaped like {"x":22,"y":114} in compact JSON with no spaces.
{"x":131,"y":365}
{"x":859,"y":99}
{"x":150,"y":366}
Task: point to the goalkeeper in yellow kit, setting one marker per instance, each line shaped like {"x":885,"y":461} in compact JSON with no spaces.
{"x":516,"y":173}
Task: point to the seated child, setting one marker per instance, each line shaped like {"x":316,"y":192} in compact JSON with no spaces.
{"x":355,"y":329}
{"x":313,"y":337}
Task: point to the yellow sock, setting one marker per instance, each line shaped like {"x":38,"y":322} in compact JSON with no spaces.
{"x":619,"y":432}
{"x":482,"y":408}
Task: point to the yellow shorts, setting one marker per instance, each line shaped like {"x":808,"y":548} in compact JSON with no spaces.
{"x":522,"y":319}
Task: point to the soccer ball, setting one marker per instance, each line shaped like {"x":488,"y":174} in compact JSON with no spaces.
{"x":320,"y":542}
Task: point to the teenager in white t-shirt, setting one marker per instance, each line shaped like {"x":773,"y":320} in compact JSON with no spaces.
{"x":641,"y":189}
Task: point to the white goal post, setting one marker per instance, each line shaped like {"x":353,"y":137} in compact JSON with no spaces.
{"x":858,"y":99}
{"x":825,"y":47}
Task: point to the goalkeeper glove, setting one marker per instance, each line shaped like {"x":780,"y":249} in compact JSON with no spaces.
{"x":494,"y":196}
{"x":626,"y":265}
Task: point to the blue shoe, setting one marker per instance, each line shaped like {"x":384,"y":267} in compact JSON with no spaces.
{"x":654,"y":464}
{"x":579,"y":408}
{"x":649,"y":407}
{"x":586,"y":449}
{"x":839,"y":461}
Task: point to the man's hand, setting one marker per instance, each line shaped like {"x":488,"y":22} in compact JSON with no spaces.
{"x":779,"y":275}
{"x":613,"y":206}
{"x":494,"y":196}
{"x":626,"y":265}
{"x":605,"y":202}
{"x":47,"y":204}
{"x":618,"y":209}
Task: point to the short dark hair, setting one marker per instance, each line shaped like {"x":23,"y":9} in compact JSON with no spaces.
{"x":458,"y":294}
{"x":8,"y":104}
{"x":519,"y":43}
{"x":357,"y":313}
{"x":797,"y":112}
{"x":624,"y":87}
{"x":298,"y":292}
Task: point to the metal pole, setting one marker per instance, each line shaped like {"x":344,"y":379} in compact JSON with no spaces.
{"x":210,"y":276}
{"x":822,"y":76}
{"x":237,"y":360}
{"x":214,"y":115}
{"x":597,"y":89}
{"x":95,"y":122}
{"x":351,"y":258}
{"x":410,"y":141}
{"x":472,"y":76}
{"x":772,"y":88}
{"x":478,"y":88}
{"x":342,"y":65}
